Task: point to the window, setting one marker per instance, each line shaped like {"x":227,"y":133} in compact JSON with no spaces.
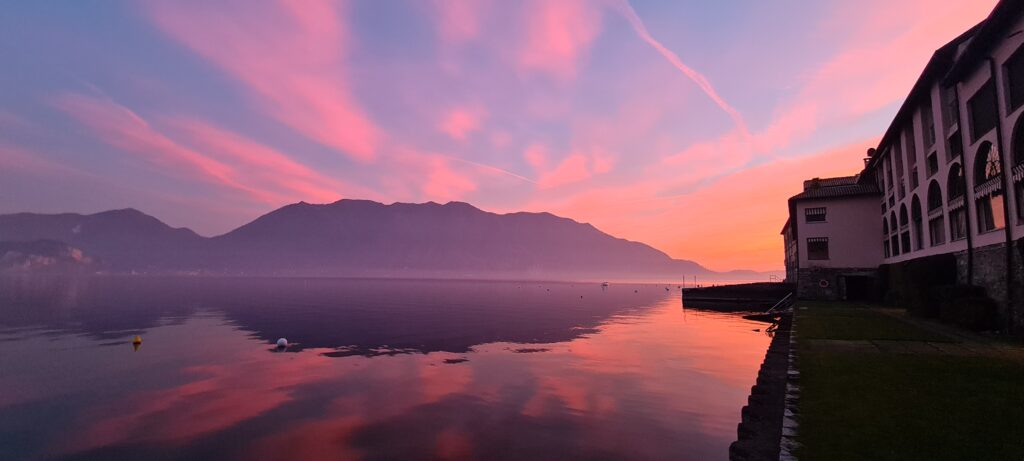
{"x":1018,"y":142}
{"x":817,"y":248}
{"x":987,"y":164}
{"x":934,"y":196}
{"x":955,"y":185}
{"x":936,"y":227}
{"x":815,"y":214}
{"x":911,"y":145}
{"x":913,"y":178}
{"x":904,"y":230}
{"x":888,"y":171}
{"x":988,"y":193}
{"x":897,"y":155}
{"x":885,"y":249}
{"x":983,"y":111}
{"x":936,"y":231}
{"x":928,"y":123}
{"x":1018,"y":163}
{"x":1015,"y":79}
{"x":950,"y":107}
{"x":1019,"y":188}
{"x":917,"y":222}
{"x":957,"y":224}
{"x":956,"y":188}
{"x":990,"y":213}
{"x":933,"y":164}
{"x":955,"y":146}
{"x":894,"y":245}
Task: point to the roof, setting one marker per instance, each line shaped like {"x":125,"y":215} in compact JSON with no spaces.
{"x":843,"y":191}
{"x":830,"y":182}
{"x":987,"y":35}
{"x":939,"y":64}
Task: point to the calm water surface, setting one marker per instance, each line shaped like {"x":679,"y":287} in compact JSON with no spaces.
{"x":381,"y":370}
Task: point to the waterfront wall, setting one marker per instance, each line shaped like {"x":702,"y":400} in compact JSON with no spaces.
{"x":759,"y":433}
{"x":943,"y":286}
{"x":838,"y":284}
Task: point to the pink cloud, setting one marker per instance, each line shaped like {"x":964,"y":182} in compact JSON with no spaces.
{"x":460,"y":122}
{"x":576,"y":167}
{"x":558,"y":34}
{"x":536,"y":155}
{"x":422,"y":175}
{"x":444,"y":183}
{"x":290,"y":56}
{"x":261,"y":164}
{"x":458,"y":22}
{"x":193,"y":149}
{"x":122,"y":128}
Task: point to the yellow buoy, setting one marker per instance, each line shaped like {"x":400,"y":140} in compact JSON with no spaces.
{"x":137,"y":340}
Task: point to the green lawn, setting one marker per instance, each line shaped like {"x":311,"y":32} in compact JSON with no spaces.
{"x":886,"y":406}
{"x":827,"y":322}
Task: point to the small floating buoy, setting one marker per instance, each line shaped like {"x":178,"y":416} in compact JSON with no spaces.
{"x":136,"y":342}
{"x":282,"y":343}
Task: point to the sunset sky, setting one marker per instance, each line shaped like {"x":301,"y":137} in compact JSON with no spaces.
{"x":681,"y":124}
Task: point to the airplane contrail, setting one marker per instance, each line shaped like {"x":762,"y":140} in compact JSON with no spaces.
{"x":629,"y":13}
{"x":490,"y":167}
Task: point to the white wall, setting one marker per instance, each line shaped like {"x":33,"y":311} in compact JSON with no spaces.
{"x":853,"y":228}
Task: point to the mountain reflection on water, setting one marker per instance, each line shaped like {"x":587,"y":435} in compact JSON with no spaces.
{"x":382,"y":369}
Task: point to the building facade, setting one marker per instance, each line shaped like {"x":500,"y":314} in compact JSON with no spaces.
{"x":950,"y":169}
{"x":830,"y":224}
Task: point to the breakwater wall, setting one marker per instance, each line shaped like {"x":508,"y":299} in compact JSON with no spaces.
{"x":759,"y":432}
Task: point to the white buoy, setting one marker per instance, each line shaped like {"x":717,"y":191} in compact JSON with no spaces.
{"x":282,"y":343}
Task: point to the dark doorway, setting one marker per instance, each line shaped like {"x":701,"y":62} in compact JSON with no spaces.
{"x":858,"y":287}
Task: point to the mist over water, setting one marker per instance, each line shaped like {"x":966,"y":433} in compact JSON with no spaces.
{"x":378,"y":369}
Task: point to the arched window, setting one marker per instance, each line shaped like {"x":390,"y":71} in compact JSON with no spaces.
{"x":987,"y":164}
{"x":917,"y":222}
{"x":988,"y":189}
{"x":934,"y":196}
{"x":886,"y":251}
{"x":894,"y":239}
{"x":955,"y":185}
{"x":956,"y":188}
{"x":936,"y":221}
{"x":904,"y":230}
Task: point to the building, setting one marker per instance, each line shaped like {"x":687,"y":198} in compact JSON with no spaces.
{"x":950,"y":171}
{"x":830,"y":223}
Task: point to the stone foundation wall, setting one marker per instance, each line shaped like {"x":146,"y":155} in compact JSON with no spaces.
{"x":990,"y":273}
{"x":809,"y":282}
{"x":1017,"y":286}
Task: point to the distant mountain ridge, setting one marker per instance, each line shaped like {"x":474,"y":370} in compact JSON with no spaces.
{"x":360,"y":238}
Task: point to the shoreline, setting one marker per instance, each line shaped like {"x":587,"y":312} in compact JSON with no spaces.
{"x":759,"y":433}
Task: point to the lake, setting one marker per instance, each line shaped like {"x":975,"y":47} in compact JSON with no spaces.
{"x":377,"y":369}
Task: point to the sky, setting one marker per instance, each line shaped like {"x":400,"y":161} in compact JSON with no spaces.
{"x":683,"y":124}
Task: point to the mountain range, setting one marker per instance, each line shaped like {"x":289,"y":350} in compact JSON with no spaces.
{"x":361,"y":238}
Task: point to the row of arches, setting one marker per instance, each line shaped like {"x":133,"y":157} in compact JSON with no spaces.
{"x":904,"y":232}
